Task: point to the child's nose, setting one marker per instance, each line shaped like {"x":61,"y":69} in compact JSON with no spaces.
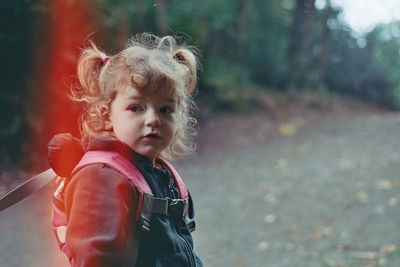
{"x":153,"y":119}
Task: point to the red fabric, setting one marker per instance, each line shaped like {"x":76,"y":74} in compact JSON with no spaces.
{"x":117,"y":162}
{"x":100,"y":207}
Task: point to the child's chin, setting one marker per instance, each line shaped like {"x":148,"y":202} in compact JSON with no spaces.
{"x":151,"y":155}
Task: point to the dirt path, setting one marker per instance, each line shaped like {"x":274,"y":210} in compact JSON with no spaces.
{"x":328,"y":195}
{"x":315,"y":191}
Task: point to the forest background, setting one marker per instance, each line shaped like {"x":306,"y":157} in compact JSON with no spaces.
{"x":250,"y":50}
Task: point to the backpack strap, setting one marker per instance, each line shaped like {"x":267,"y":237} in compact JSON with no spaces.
{"x":178,"y":179}
{"x":29,"y":187}
{"x":119,"y":163}
{"x":179,"y":208}
{"x":147,"y":203}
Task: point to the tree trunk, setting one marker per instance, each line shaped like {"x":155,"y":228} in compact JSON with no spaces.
{"x":300,"y":44}
{"x":162,"y":7}
{"x":244,"y":10}
{"x":324,"y":45}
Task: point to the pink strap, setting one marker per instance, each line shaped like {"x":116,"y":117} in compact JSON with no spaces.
{"x":126,"y":168}
{"x":118,"y":163}
{"x":178,"y":179}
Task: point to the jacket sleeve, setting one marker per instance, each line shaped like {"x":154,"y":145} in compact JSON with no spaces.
{"x":100,"y":208}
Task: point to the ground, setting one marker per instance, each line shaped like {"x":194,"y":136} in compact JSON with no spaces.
{"x":308,"y":184}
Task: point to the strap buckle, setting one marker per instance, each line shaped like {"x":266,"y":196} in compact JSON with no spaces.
{"x":178,"y":208}
{"x":191,"y":224}
{"x":144,"y":218}
{"x":171,"y":207}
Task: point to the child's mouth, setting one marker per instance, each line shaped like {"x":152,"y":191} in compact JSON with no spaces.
{"x":152,"y":136}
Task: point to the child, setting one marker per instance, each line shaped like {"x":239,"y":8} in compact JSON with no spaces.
{"x":136,"y":103}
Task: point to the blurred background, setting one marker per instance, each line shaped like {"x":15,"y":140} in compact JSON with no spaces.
{"x":298,"y":147}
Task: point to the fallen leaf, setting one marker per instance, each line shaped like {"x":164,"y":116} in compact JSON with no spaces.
{"x":289,"y":247}
{"x":287,"y":129}
{"x":388,"y":248}
{"x":281,"y":164}
{"x":241,"y":262}
{"x":263,"y":245}
{"x":393,"y":201}
{"x":383,"y":185}
{"x":270,"y":198}
{"x":316,"y":255}
{"x":269,"y":218}
{"x":362,"y":196}
{"x":318,"y":235}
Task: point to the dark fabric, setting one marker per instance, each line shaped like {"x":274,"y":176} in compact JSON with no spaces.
{"x":100,"y":208}
{"x":169,"y":242}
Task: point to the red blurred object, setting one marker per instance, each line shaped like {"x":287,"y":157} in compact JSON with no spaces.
{"x":68,"y":26}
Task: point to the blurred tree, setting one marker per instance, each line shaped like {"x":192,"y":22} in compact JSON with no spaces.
{"x":161,"y":17}
{"x":246,"y":45}
{"x":300,"y":47}
{"x":353,"y":67}
{"x":242,"y":29}
{"x":16,"y":41}
{"x":327,"y":14}
{"x":383,"y":44}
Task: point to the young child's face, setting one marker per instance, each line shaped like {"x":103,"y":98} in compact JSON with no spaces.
{"x":146,"y":122}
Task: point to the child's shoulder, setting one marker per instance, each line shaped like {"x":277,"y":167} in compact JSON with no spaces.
{"x":100,"y":175}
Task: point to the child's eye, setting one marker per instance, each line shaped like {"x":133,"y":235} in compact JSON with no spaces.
{"x":166,"y":110}
{"x":136,"y":108}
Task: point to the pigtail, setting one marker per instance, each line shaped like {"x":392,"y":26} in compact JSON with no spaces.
{"x":90,"y":65}
{"x":188,"y":59}
{"x":185,"y":57}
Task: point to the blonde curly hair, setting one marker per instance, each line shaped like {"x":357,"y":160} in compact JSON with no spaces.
{"x":147,"y":63}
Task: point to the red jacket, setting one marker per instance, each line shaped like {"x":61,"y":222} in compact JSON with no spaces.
{"x":100,"y":206}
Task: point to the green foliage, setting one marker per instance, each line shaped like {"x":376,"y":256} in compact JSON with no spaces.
{"x":267,"y":43}
{"x":251,"y":39}
{"x":244,"y":44}
{"x":384,"y":46}
{"x":226,"y":85}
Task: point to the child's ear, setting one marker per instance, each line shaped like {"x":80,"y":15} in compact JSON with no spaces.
{"x":105,"y":113}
